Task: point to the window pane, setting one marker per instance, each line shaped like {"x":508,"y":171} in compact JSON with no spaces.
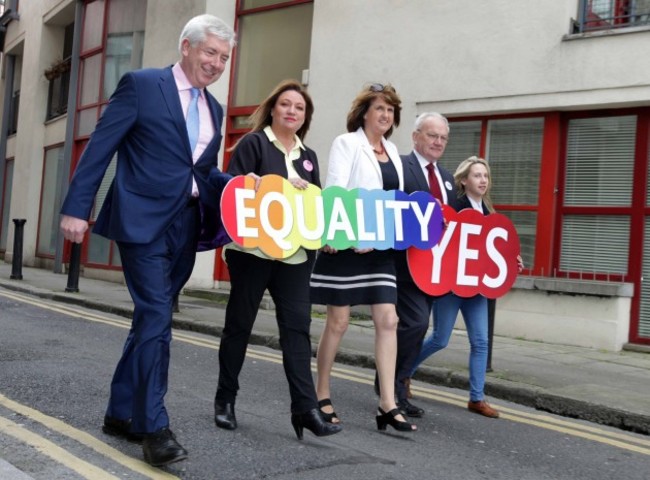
{"x":602,"y":8}
{"x":644,"y":315}
{"x":68,"y":37}
{"x":464,"y":141}
{"x":93,"y":25}
{"x":126,"y":16}
{"x":90,"y":80}
{"x":242,"y":121}
{"x":86,"y":122}
{"x":58,"y":92}
{"x":103,"y":187}
{"x":6,"y":203}
{"x":50,"y":201}
{"x":526,"y":225}
{"x":117,"y":260}
{"x":600,"y":161}
{"x":98,"y":249}
{"x":263,"y":35}
{"x":121,"y":57}
{"x":514,"y":150}
{"x":595,"y":244}
{"x":124,"y":43}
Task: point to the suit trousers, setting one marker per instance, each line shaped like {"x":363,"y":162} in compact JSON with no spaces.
{"x":154,"y":272}
{"x":413,"y":310}
{"x":289,"y":288}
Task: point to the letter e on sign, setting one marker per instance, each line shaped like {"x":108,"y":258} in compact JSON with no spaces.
{"x":479,"y":256}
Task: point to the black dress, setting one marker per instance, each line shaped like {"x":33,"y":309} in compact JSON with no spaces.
{"x":350,"y":278}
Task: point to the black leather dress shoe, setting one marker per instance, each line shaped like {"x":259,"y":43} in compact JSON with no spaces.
{"x":120,"y":428}
{"x":408,"y":409}
{"x":161,"y":448}
{"x":224,"y":415}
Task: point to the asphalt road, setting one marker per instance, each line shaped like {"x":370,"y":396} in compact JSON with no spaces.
{"x":56,"y":363}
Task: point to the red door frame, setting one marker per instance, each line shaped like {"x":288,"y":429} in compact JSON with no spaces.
{"x":233,"y":134}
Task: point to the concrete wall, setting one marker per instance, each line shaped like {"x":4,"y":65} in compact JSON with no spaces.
{"x":565,"y":312}
{"x":459,"y":57}
{"x":464,"y":57}
{"x":38,"y":45}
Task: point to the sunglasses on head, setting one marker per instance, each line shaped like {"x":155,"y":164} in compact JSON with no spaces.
{"x":378,"y":87}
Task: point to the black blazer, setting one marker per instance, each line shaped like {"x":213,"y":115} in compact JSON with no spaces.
{"x":255,"y":153}
{"x":463,"y":203}
{"x":415,"y":181}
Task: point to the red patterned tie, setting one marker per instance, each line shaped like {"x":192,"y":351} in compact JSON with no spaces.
{"x":434,"y":186}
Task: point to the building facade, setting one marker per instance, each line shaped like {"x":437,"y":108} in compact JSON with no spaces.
{"x":555,"y":95}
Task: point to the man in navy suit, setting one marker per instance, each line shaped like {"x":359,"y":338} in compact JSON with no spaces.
{"x":421,"y":173}
{"x":166,"y":130}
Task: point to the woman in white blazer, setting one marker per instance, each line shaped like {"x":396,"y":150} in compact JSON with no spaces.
{"x":362,"y":158}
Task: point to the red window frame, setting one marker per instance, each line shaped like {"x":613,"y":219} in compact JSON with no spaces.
{"x":550,"y":206}
{"x":233,"y":133}
{"x":80,"y":141}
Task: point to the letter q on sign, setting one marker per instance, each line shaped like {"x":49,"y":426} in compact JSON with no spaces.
{"x":477,"y":254}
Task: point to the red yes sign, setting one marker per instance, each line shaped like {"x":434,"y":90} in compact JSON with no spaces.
{"x":477,"y":254}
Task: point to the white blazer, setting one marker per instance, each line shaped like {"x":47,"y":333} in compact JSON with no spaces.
{"x":353,"y":164}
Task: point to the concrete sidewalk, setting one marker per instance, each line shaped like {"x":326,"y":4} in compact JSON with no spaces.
{"x":603,"y":387}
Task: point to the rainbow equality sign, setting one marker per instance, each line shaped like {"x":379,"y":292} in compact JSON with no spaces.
{"x":279,"y":219}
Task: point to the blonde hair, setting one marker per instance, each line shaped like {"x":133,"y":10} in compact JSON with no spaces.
{"x":462,"y":172}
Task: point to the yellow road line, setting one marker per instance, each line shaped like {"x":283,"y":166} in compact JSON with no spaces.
{"x":539,"y":420}
{"x":83,"y":468}
{"x":85,"y":439}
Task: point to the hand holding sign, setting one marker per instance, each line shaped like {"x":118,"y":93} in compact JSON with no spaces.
{"x":279,"y":218}
{"x":477,"y":254}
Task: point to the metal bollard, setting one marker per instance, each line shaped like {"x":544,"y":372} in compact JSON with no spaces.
{"x":17,"y":260}
{"x":73,"y":268}
{"x":492,"y":306}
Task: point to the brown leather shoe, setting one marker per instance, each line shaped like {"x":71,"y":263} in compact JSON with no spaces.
{"x":482,"y":408}
{"x":407,"y":384}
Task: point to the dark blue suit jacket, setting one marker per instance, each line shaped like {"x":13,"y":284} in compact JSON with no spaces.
{"x":415,"y":181}
{"x":144,"y":124}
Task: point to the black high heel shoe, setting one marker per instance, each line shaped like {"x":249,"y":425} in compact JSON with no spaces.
{"x":328,"y":417}
{"x":388,"y":418}
{"x":313,"y":422}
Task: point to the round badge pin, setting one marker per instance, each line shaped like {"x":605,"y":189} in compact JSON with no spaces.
{"x":448,"y":185}
{"x":308,"y":165}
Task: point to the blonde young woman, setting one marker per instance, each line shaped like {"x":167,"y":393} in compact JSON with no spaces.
{"x":362,"y":158}
{"x":473,"y":181}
